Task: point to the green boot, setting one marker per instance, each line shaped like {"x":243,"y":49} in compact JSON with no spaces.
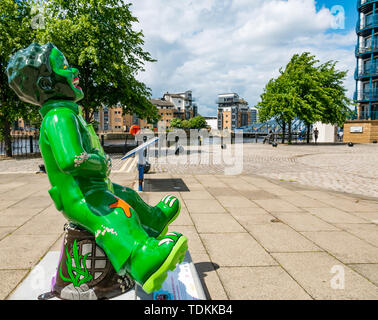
{"x":155,"y":220}
{"x":151,"y":261}
{"x":118,"y":231}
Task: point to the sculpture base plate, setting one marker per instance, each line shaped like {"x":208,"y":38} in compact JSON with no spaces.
{"x":181,"y":284}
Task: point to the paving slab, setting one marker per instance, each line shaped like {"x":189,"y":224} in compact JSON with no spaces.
{"x":16,"y":216}
{"x":235,"y":202}
{"x":5,"y":231}
{"x":194,"y":241}
{"x":304,"y":221}
{"x":302,"y":201}
{"x":196,"y":195}
{"x":226,"y":191}
{"x":204,"y":206}
{"x":9,"y":279}
{"x":246,"y":211}
{"x":39,"y":202}
{"x":344,"y":246}
{"x":49,"y":221}
{"x":183,"y":219}
{"x":278,"y":237}
{"x":216,"y":223}
{"x":236,"y":249}
{"x":350,"y":205}
{"x":277,"y":205}
{"x":246,"y":220}
{"x":320,"y":274}
{"x":23,"y":252}
{"x":208,"y":275}
{"x":367,"y":232}
{"x":259,"y":195}
{"x":369,"y":271}
{"x":260,"y":283}
{"x":334,"y":215}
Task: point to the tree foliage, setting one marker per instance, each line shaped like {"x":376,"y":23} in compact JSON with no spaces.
{"x":15,"y":33}
{"x":307,"y":91}
{"x":98,"y":38}
{"x":197,"y":122}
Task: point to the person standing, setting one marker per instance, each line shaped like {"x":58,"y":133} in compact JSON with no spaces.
{"x":316,"y":135}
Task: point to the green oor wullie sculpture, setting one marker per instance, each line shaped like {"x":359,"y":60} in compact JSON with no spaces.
{"x":132,"y":233}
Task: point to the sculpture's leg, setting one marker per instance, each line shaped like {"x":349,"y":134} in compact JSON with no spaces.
{"x":155,"y":220}
{"x":81,"y":255}
{"x":118,"y":232}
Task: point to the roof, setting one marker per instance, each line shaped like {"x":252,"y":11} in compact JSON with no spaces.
{"x":175,"y":95}
{"x":161,"y":103}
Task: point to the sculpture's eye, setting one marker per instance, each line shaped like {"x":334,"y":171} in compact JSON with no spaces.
{"x":65,"y":67}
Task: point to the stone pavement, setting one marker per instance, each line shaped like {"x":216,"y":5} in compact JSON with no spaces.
{"x":334,"y":167}
{"x":249,"y":237}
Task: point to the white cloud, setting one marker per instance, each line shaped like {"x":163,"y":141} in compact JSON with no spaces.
{"x":215,"y":46}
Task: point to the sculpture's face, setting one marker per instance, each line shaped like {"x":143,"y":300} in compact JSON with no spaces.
{"x":66,"y":75}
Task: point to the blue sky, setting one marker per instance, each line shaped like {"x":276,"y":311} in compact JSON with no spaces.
{"x":350,"y":7}
{"x":217,"y":46}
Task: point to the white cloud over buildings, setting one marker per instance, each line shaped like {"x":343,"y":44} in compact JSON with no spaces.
{"x":215,"y":46}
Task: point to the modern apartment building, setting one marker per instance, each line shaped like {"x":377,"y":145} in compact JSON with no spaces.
{"x":233,"y":112}
{"x":184,"y":104}
{"x":365,"y":127}
{"x":366,"y":74}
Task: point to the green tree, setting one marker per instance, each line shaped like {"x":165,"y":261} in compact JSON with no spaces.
{"x":198,"y":122}
{"x":15,"y":33}
{"x":176,"y":123}
{"x":276,"y":104}
{"x":307,"y":91}
{"x":98,"y":38}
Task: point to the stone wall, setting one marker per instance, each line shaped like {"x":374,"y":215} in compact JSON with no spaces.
{"x":369,"y":131}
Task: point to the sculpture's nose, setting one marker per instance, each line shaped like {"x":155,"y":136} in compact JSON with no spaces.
{"x":75,"y":72}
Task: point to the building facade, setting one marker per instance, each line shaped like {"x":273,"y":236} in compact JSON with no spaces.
{"x":365,"y":127}
{"x":366,"y":74}
{"x":233,"y":112}
{"x":172,"y":105}
{"x":184,"y":104}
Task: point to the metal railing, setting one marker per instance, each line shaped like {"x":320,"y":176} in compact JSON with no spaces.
{"x":366,"y":115}
{"x":367,"y":49}
{"x":22,"y":145}
{"x":369,"y":71}
{"x":367,"y":22}
{"x":367,"y":95}
{"x":361,"y":3}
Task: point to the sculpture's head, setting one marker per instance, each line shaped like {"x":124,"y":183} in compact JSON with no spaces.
{"x":40,"y":73}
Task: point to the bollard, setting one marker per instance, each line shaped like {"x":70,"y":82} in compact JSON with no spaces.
{"x":31,"y":144}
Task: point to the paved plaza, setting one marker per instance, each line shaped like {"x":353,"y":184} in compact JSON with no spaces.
{"x":290,"y":232}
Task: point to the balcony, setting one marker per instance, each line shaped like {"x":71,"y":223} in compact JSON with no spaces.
{"x":372,"y":47}
{"x":366,"y":95}
{"x":367,"y":72}
{"x":361,"y":3}
{"x":366,"y":115}
{"x":368,"y":22}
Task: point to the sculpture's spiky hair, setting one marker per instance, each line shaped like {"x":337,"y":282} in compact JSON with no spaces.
{"x":29,"y":73}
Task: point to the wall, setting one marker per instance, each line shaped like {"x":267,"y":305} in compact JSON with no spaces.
{"x":369,"y":131}
{"x":327,"y":132}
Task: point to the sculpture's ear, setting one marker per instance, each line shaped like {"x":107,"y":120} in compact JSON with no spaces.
{"x":45,"y":83}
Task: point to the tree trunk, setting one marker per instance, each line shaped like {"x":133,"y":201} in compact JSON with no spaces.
{"x":308,"y":133}
{"x":283,"y":131}
{"x":289,"y":133}
{"x":6,"y":132}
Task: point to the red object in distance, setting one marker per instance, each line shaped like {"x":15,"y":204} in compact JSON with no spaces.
{"x":134,"y":129}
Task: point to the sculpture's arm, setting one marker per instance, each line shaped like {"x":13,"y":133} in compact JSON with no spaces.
{"x":62,"y":130}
